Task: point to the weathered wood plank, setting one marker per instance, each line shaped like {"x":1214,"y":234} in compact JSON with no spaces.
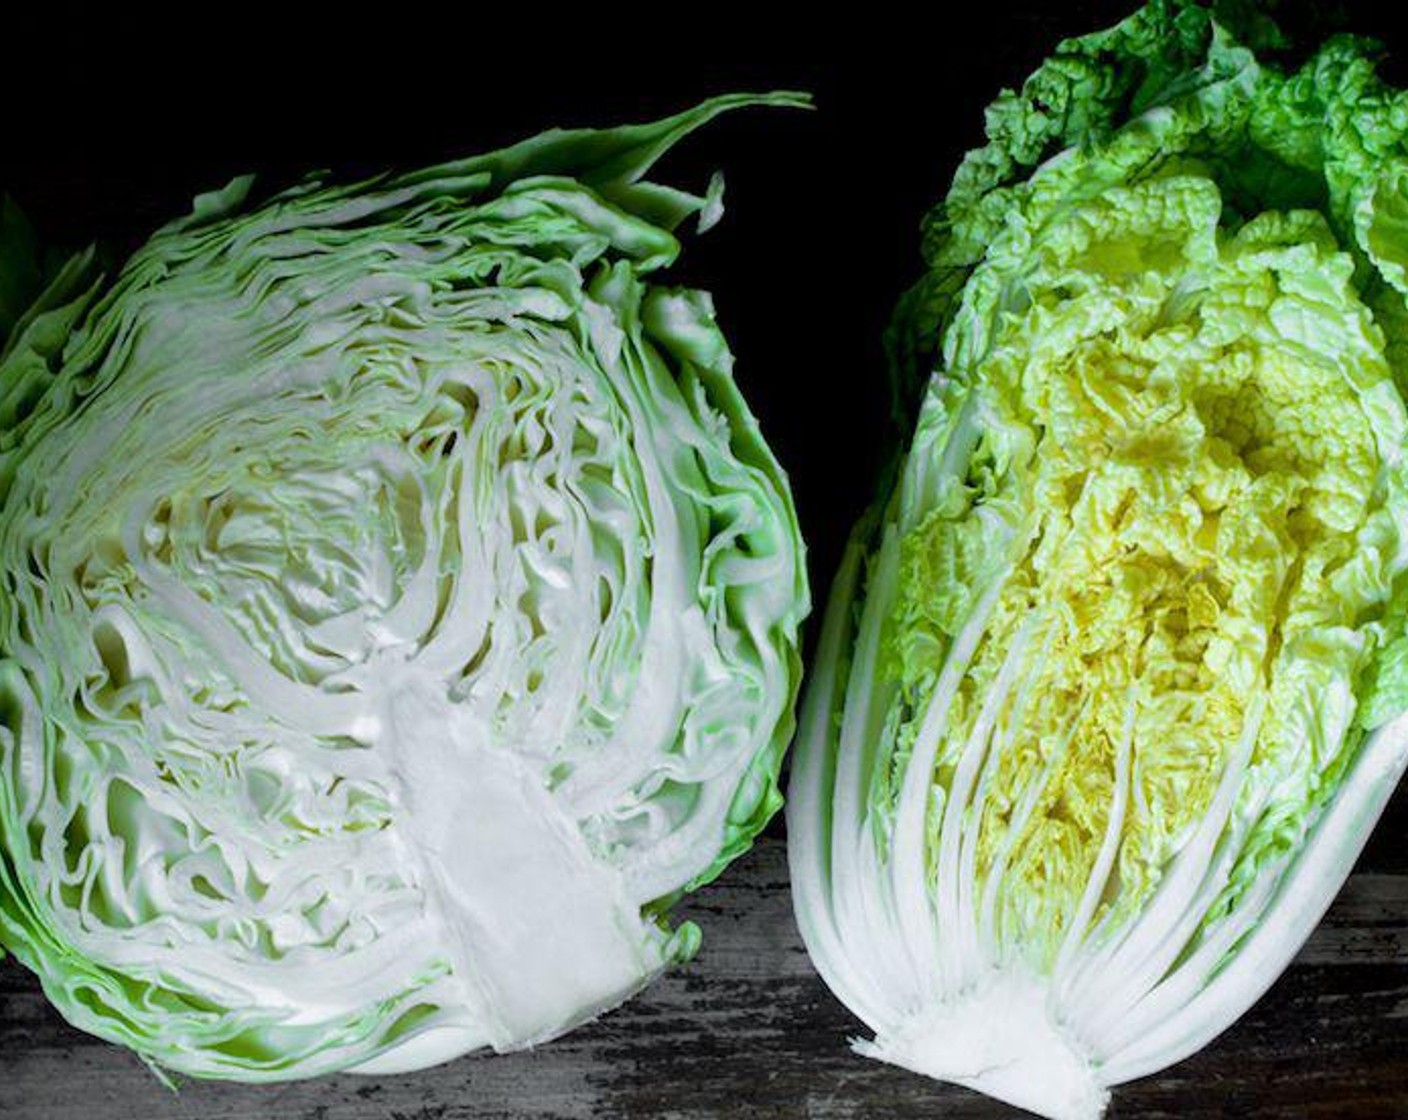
{"x":748,"y":1030}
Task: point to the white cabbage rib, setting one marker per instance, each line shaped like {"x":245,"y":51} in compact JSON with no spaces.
{"x":401,"y":611}
{"x":946,"y":998}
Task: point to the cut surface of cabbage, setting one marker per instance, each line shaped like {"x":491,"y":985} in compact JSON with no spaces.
{"x":400,"y":614}
{"x":1109,"y":692}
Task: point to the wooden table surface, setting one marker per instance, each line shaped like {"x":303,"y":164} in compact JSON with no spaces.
{"x":748,"y":1030}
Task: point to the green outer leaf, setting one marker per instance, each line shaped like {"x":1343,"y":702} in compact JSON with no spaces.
{"x":19,"y":265}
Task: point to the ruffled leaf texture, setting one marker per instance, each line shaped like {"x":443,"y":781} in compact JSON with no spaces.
{"x":1110,"y":688}
{"x":400,"y":612}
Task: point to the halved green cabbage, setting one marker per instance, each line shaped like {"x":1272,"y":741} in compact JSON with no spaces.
{"x":1097,"y":724}
{"x":400,"y":613}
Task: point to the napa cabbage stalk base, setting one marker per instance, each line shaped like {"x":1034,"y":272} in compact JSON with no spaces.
{"x":399,"y":614}
{"x":1109,"y":692}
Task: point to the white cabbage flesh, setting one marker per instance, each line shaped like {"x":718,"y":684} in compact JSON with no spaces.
{"x":399,"y":615}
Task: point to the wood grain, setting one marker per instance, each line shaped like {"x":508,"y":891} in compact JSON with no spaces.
{"x":748,"y":1030}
